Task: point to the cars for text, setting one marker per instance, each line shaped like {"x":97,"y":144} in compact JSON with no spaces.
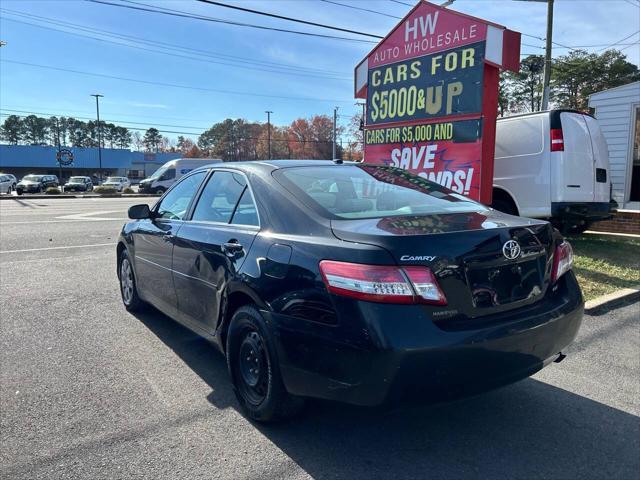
{"x":119,"y":183}
{"x":357,"y":283}
{"x":36,"y":183}
{"x":79,"y":184}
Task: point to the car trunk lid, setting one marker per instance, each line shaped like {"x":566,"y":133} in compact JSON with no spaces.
{"x":474,"y":256}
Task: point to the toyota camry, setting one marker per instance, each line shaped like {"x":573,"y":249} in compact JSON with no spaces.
{"x":350,"y":282}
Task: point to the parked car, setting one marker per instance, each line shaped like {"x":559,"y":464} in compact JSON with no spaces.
{"x":6,"y":183}
{"x":555,"y":165}
{"x":357,"y":283}
{"x":78,"y":184}
{"x":170,"y":173}
{"x":36,"y":183}
{"x":14,"y":181}
{"x":119,"y":183}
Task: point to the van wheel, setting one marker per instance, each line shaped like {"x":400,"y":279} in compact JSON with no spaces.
{"x":159,"y":191}
{"x":255,"y":371}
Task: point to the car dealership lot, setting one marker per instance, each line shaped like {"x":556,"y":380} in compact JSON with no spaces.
{"x":89,"y":390}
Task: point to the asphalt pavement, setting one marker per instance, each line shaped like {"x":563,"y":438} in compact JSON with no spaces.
{"x":88,"y":390}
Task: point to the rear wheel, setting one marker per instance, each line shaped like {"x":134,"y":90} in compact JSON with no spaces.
{"x":159,"y":191}
{"x":128,"y":288}
{"x":255,"y":371}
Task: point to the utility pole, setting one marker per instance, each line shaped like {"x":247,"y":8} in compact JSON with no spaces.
{"x":335,"y":120}
{"x":97,"y":95}
{"x":58,"y":143}
{"x":269,"y":112}
{"x":547,"y":57}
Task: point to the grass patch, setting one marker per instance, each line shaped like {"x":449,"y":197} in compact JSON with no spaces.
{"x":52,"y":191}
{"x":604,"y":263}
{"x":105,"y":190}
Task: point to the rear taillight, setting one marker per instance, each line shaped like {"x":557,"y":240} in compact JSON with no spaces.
{"x":378,"y":283}
{"x":557,"y":140}
{"x":562,"y":261}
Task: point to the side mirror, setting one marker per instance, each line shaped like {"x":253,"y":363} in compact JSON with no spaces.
{"x":139,"y":212}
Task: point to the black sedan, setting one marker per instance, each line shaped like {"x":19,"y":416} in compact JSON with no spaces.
{"x":79,"y":184}
{"x":350,"y":282}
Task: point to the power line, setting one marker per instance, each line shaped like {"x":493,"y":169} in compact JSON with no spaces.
{"x":180,"y":48}
{"x":619,"y":41}
{"x":402,"y":3}
{"x":289,"y":19}
{"x":178,"y":13}
{"x":174,"y":85}
{"x":103,"y":120}
{"x":188,"y":57}
{"x":360,"y":8}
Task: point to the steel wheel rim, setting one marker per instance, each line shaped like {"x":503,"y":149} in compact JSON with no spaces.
{"x":253,"y":368}
{"x":126,"y":281}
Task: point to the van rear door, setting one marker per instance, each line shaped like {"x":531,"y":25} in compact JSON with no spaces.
{"x":573,"y":168}
{"x":602,"y":191}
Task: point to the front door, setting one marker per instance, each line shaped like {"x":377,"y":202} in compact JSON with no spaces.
{"x":211,"y":247}
{"x":154,"y":240}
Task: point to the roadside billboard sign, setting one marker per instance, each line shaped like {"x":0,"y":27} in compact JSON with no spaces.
{"x":431,"y":90}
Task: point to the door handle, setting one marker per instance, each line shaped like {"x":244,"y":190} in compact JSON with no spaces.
{"x":167,"y":237}
{"x":231,"y":248}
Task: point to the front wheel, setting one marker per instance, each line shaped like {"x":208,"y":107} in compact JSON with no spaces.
{"x":128,"y":288}
{"x":255,"y":371}
{"x":159,"y":191}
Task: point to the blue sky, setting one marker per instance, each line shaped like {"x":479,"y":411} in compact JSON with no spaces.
{"x":318,"y":71}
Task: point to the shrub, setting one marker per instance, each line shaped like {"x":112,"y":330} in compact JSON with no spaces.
{"x":128,"y":190}
{"x":53,"y":191}
{"x":105,"y":190}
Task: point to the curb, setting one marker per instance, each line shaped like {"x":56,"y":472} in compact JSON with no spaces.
{"x":95,"y":195}
{"x":606,"y":302}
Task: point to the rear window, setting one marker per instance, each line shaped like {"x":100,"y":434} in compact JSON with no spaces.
{"x":367,"y":191}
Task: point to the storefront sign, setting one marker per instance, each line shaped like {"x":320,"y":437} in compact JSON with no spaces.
{"x":431,"y":92}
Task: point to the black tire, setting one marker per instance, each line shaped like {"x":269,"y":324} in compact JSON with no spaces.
{"x":19,"y":192}
{"x":255,"y":371}
{"x":160,"y":191}
{"x":504,"y":207}
{"x":127,"y":281}
{"x":39,"y":190}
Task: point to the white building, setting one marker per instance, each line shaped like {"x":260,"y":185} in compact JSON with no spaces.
{"x":618,"y":113}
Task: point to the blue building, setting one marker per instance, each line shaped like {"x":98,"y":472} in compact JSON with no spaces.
{"x":21,"y":160}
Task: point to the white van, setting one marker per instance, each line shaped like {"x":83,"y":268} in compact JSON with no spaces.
{"x":553,"y":164}
{"x":170,"y":173}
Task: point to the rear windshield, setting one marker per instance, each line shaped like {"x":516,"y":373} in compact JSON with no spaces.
{"x":366,"y":191}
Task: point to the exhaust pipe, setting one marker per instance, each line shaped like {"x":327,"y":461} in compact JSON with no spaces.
{"x":561,"y":356}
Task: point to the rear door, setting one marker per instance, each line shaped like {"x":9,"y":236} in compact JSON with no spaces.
{"x":211,"y":247}
{"x":575,"y":166}
{"x":602,"y":191}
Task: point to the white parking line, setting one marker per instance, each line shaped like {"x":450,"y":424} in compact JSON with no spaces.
{"x":58,"y":248}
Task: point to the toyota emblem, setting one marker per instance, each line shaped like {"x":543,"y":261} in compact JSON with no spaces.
{"x":511,"y":250}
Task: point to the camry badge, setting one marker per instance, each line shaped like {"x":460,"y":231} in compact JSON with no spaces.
{"x":511,"y":250}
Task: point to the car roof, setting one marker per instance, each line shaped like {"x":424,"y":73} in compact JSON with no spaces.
{"x":270,"y":165}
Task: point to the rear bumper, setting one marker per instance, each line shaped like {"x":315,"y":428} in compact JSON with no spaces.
{"x":402,"y":355}
{"x":584,"y":211}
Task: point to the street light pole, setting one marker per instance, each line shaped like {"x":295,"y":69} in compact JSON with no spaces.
{"x":97,"y":95}
{"x":269,"y":112}
{"x":335,"y":119}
